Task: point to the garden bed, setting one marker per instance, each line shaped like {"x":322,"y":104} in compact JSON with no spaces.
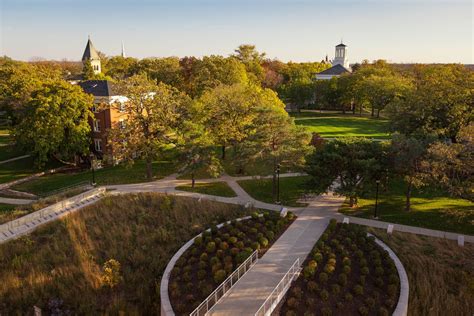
{"x":347,"y":273}
{"x":216,"y":253}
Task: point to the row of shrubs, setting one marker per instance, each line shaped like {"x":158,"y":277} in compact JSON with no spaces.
{"x":217,"y":252}
{"x":346,"y":273}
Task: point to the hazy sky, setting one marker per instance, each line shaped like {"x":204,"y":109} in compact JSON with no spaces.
{"x":396,"y":30}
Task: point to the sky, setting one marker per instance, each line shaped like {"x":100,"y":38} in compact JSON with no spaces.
{"x":421,"y":31}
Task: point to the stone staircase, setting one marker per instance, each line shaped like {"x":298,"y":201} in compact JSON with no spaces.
{"x":30,"y":222}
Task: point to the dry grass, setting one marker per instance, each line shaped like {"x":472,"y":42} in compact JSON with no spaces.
{"x":440,"y":273}
{"x":63,"y":260}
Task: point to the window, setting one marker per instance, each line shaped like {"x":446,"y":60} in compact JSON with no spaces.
{"x":94,"y":109}
{"x":122,"y":123}
{"x":98,"y":144}
{"x":96,"y":125}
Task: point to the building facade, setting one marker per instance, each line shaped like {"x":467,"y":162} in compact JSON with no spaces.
{"x":340,"y":64}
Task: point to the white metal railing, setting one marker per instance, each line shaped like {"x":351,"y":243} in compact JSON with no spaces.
{"x":45,"y":212}
{"x":279,"y":291}
{"x":225,"y":286}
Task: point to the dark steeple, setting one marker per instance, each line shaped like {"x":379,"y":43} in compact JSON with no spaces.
{"x":90,"y":53}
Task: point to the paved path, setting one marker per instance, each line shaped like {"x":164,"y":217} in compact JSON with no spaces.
{"x":13,"y":159}
{"x":246,"y":297}
{"x":13,"y":201}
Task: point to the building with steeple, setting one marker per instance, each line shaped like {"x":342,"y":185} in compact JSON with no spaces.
{"x":340,"y":64}
{"x":91,"y":55}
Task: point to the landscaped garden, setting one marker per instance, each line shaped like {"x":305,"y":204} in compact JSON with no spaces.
{"x":217,"y":253}
{"x":211,"y":188}
{"x":430,"y":208}
{"x":347,"y":273}
{"x":291,"y":189}
{"x":107,"y":258}
{"x":342,"y":125}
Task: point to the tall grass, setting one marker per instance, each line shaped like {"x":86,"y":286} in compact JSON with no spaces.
{"x":440,"y":273}
{"x":61,"y":263}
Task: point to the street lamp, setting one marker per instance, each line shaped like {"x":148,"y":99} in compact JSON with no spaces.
{"x":278,"y":184}
{"x":376,"y":199}
{"x":93,"y":168}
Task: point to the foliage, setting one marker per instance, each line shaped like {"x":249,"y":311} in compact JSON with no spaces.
{"x":111,"y":273}
{"x":353,"y":163}
{"x":55,"y":122}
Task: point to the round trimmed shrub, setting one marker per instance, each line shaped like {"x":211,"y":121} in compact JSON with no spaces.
{"x":234,"y":251}
{"x":204,"y":257}
{"x":255,"y":215}
{"x":364,"y":271}
{"x":211,"y":247}
{"x":297,"y":292}
{"x":348,"y":297}
{"x":233,"y":240}
{"x":339,"y":305}
{"x":370,"y":302}
{"x":392,"y":290}
{"x":324,"y":237}
{"x":332,"y":262}
{"x":329,"y":269}
{"x":216,"y":267}
{"x":214,"y":260}
{"x":202,"y":264}
{"x":255,"y":245}
{"x":324,"y":295}
{"x":198,"y":241}
{"x":342,"y":279}
{"x":224,"y":246}
{"x":392,"y":279}
{"x":323,"y":277}
{"x":228,"y":259}
{"x":318,"y":257}
{"x":201,"y":274}
{"x":346,"y":269}
{"x":311,"y":302}
{"x":292,"y":302}
{"x":335,"y":289}
{"x":308,"y":272}
{"x":379,"y":282}
{"x":326,"y":311}
{"x":220,"y":253}
{"x":253,"y":231}
{"x":263,"y":242}
{"x":229,"y":267}
{"x":186,"y":276}
{"x":312,"y":286}
{"x":362,"y":280}
{"x":187,"y":268}
{"x":270,"y":235}
{"x":358,"y":289}
{"x":313,"y":264}
{"x":382,"y":312}
{"x":363,"y":310}
{"x":242,"y":256}
{"x":219,"y":276}
{"x":346,"y":261}
{"x":240,"y":244}
{"x":290,"y":313}
{"x":378,"y":271}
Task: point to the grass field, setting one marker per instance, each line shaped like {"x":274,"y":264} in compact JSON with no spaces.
{"x":119,"y":174}
{"x":342,"y":125}
{"x":430,"y":209}
{"x":7,"y":149}
{"x":291,"y":189}
{"x":22,"y":168}
{"x":63,"y":261}
{"x":440,"y":273}
{"x":213,"y":188}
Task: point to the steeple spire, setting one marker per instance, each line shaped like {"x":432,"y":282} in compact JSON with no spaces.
{"x":123,"y":50}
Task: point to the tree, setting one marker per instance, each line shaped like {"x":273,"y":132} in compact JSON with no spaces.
{"x":154,"y":114}
{"x":350,"y":164}
{"x":441,"y":102}
{"x":230,"y":112}
{"x":55,"y":122}
{"x":119,"y":67}
{"x":87,"y":71}
{"x":252,"y":59}
{"x":408,"y":154}
{"x":167,"y":70}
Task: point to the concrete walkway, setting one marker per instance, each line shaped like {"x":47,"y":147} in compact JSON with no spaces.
{"x":13,"y":201}
{"x":246,"y":297}
{"x":14,"y":159}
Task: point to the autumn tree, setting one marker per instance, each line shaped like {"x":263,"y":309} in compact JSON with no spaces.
{"x":155,"y":113}
{"x":119,"y":67}
{"x":55,"y":122}
{"x":167,"y":70}
{"x":252,"y":59}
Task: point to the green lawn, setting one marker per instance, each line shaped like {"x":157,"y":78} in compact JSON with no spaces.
{"x":291,"y":189}
{"x":430,"y":209}
{"x":22,"y":168}
{"x":213,"y":188}
{"x":7,"y":149}
{"x":119,"y":174}
{"x":342,"y":125}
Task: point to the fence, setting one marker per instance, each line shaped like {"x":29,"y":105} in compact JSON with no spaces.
{"x":225,"y":286}
{"x":11,"y":226}
{"x":274,"y":298}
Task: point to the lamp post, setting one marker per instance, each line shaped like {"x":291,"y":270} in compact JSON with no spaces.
{"x":278,"y":184}
{"x":93,"y":169}
{"x":376,"y":199}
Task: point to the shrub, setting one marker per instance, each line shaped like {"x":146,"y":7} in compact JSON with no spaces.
{"x":242,"y":256}
{"x":318,"y":257}
{"x":186,"y":276}
{"x":234,"y":251}
{"x":335,"y":289}
{"x":290,"y":313}
{"x":311,"y":302}
{"x":313,"y":264}
{"x":220,"y":253}
{"x":332,"y":255}
{"x":192,"y":260}
{"x":204,"y":257}
{"x":329,"y":269}
{"x":339,"y":305}
{"x":332,"y":223}
{"x":211,"y":247}
{"x":240,"y":244}
{"x":323,"y":277}
{"x":363,"y":310}
{"x":297,"y":292}
{"x":392,"y":290}
{"x":348,"y":297}
{"x":206,"y":234}
{"x":217,"y":241}
{"x":324,"y":237}
{"x":227,"y":259}
{"x":392,"y":279}
{"x":359,"y":253}
{"x":312,"y":286}
{"x":370,"y":302}
{"x":364,"y":271}
{"x":216,"y":267}
{"x":308,"y":272}
{"x":382,"y":312}
{"x":346,"y":261}
{"x":219,"y":276}
{"x":255,"y":245}
{"x":363,"y":262}
{"x":292,"y":302}
{"x":358,"y":289}
{"x":332,"y":262}
{"x":379,"y":271}
{"x":362,"y":280}
{"x":214,"y":260}
{"x":263,"y":242}
{"x":259,"y":235}
{"x":270,"y":235}
{"x":342,"y":279}
{"x":202,"y":265}
{"x":198,"y":241}
{"x":324,"y":295}
{"x":379,"y":282}
{"x":253,"y":231}
{"x":229,"y":267}
{"x":233,"y":240}
{"x":201,"y":274}
{"x":326,"y":311}
{"x":346,"y":269}
{"x":224,"y":246}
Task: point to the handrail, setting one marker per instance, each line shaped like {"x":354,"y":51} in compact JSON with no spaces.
{"x":71,"y":187}
{"x":274,"y":298}
{"x":222,"y":289}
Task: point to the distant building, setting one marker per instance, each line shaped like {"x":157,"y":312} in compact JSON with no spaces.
{"x":340,"y":64}
{"x":105,"y":116}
